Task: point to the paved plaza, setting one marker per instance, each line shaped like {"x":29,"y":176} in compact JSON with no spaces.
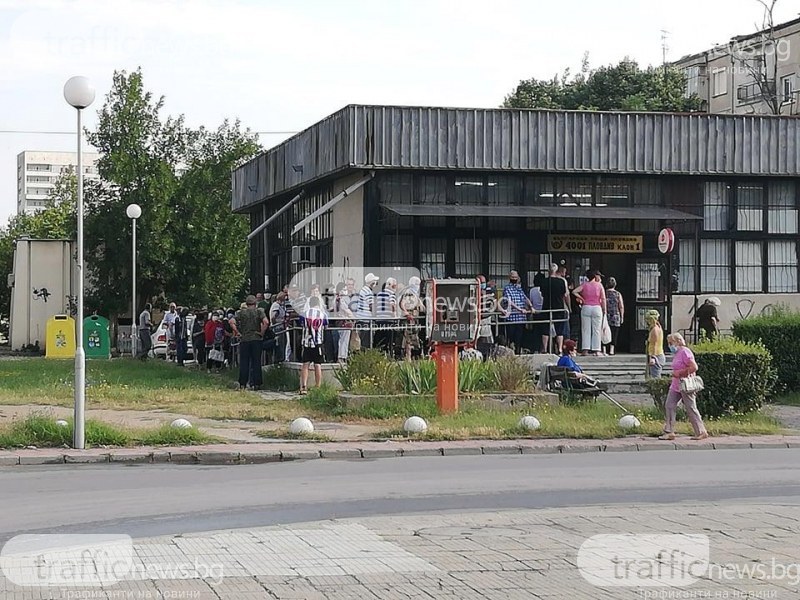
{"x":485,"y":555}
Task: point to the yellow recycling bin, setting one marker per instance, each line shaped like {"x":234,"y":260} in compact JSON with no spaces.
{"x":60,"y":337}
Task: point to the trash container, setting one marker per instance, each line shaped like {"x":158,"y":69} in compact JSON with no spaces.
{"x":60,"y":337}
{"x":96,"y":338}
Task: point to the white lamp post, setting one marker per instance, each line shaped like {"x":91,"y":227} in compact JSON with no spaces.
{"x":134,"y":211}
{"x":79,"y":93}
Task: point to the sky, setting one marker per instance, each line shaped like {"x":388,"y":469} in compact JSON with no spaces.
{"x":281,"y":66}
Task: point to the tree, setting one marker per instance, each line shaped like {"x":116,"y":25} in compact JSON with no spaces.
{"x":56,"y":221}
{"x":759,"y":55}
{"x":211,"y":260}
{"x":190,"y":247}
{"x":624,"y":87}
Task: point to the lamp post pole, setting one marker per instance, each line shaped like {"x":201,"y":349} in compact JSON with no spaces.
{"x":79,"y":93}
{"x":134,"y":211}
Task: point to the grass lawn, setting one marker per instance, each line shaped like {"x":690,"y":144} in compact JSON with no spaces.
{"x":43,"y":431}
{"x":128,"y":384}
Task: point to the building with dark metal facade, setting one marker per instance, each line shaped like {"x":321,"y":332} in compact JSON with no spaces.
{"x":457,"y":192}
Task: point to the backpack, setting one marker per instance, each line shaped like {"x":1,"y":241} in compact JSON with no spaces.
{"x":219,"y":333}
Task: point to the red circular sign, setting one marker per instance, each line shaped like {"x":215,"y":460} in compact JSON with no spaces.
{"x":666,"y":241}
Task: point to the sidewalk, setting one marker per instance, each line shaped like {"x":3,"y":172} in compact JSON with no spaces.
{"x":498,"y":555}
{"x":278,"y":451}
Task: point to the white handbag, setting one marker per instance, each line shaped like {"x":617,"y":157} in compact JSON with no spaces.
{"x":605,"y":332}
{"x":691,"y":384}
{"x":216,"y":355}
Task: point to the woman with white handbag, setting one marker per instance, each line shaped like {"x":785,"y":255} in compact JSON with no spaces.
{"x":684,"y":387}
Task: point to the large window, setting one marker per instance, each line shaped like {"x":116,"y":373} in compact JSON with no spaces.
{"x":715,"y":261}
{"x":719,"y":82}
{"x":502,"y":256}
{"x":782,"y":213}
{"x":750,"y":207}
{"x":749,"y":262}
{"x":397,"y":251}
{"x":432,"y":254}
{"x":469,"y":190}
{"x":782,"y":261}
{"x":716,"y":206}
{"x":469,"y":257}
{"x":686,"y":256}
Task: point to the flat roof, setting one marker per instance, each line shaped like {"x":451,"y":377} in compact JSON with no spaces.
{"x":362,"y":137}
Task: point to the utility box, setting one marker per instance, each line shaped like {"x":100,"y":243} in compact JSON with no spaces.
{"x":453,"y":310}
{"x":60,"y":337}
{"x":96,"y":338}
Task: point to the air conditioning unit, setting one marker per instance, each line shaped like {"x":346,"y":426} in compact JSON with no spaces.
{"x":304,"y":254}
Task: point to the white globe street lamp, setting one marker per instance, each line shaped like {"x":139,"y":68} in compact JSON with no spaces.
{"x":134,"y":211}
{"x":79,"y":93}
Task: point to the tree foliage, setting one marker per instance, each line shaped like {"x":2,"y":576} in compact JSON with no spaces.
{"x":622,"y":87}
{"x":190,"y":247}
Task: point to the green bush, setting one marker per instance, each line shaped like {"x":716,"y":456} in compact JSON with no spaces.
{"x":323,"y":399}
{"x":511,"y":375}
{"x":368,"y":372}
{"x":417,"y":377}
{"x":738,"y":376}
{"x":658,"y":389}
{"x":779,"y":332}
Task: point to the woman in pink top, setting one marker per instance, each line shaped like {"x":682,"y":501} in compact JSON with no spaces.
{"x":683,"y":365}
{"x":592,"y":297}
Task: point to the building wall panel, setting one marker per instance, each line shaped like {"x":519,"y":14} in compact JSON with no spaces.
{"x":365,"y":137}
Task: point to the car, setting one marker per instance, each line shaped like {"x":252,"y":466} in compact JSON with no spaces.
{"x":160,"y":345}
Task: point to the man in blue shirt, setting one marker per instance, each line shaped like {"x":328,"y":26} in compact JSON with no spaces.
{"x":515,"y":304}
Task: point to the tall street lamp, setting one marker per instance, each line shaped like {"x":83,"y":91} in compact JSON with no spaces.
{"x":79,"y":93}
{"x":134,"y":211}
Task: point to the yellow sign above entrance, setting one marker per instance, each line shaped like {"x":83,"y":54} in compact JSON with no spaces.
{"x":610,"y":244}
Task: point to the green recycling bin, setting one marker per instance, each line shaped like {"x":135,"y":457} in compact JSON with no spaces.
{"x":96,"y":338}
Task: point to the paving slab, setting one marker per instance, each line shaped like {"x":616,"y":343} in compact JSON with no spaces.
{"x":41,"y":459}
{"x":299,"y":454}
{"x":340,"y":453}
{"x":130,"y":457}
{"x":84,"y":458}
{"x":217,"y":458}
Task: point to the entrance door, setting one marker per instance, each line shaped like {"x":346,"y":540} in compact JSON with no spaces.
{"x":621,"y":267}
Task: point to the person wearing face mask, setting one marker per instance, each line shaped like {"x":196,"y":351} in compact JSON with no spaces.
{"x":683,"y":365}
{"x":365,"y":310}
{"x":515,"y":304}
{"x":410,"y":307}
{"x":655,"y":345}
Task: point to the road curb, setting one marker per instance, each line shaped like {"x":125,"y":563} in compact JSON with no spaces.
{"x":249,"y":454}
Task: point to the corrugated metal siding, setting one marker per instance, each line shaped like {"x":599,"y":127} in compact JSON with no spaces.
{"x":323,"y":148}
{"x":528,"y":140}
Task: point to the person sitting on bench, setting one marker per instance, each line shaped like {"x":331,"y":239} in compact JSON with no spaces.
{"x":567,"y":360}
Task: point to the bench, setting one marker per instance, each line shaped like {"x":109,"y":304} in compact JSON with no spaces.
{"x":562,"y":381}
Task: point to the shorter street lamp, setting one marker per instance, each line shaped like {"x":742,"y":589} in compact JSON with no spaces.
{"x":134,"y":211}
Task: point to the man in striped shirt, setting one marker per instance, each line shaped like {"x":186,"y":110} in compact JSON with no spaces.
{"x":365,"y":308}
{"x":314,"y":320}
{"x":386,"y":310}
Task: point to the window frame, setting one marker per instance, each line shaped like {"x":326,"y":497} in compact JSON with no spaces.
{"x":715,"y":93}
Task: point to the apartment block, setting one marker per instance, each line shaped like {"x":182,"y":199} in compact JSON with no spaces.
{"x":743,"y":74}
{"x":38,"y":172}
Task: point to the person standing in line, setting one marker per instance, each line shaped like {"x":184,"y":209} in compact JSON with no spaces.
{"x":169,"y":319}
{"x":199,"y":337}
{"x":365,"y":310}
{"x":592,"y":297}
{"x":295,"y":306}
{"x":179,"y":327}
{"x":314,"y":321}
{"x":277,"y":318}
{"x":410,"y":307}
{"x":342,"y":309}
{"x":655,"y":344}
{"x":562,"y":273}
{"x":262,"y":302}
{"x":683,"y":365}
{"x":352,"y":304}
{"x":386,"y":312}
{"x":708,"y":318}
{"x":555,"y":299}
{"x":616,"y":313}
{"x":249,"y":325}
{"x":516,"y":305}
{"x":145,"y":332}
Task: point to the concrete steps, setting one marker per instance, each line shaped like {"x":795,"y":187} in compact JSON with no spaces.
{"x":624,"y":373}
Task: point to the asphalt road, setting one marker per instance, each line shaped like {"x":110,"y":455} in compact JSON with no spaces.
{"x":151,"y":500}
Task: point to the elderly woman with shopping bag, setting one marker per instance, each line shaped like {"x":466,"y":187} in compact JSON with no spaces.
{"x":684,"y":388}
